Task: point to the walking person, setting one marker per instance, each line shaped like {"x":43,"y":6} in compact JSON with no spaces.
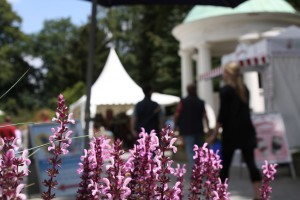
{"x":189,"y":116}
{"x":147,"y":114}
{"x":235,"y":120}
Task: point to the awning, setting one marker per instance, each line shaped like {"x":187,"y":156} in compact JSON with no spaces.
{"x":245,"y":64}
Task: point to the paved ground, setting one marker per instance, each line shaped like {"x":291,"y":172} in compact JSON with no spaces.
{"x":284,"y":186}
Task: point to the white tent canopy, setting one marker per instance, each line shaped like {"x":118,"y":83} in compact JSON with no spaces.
{"x":115,"y":87}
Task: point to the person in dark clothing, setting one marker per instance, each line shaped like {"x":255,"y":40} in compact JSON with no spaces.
{"x":235,"y":119}
{"x":189,"y":116}
{"x":147,"y":114}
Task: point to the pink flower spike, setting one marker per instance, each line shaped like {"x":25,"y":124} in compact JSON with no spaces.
{"x":57,"y":147}
{"x":269,"y":172}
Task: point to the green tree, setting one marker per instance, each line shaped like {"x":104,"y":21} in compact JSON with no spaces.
{"x":78,"y":48}
{"x":51,"y":45}
{"x":72,"y":94}
{"x":63,"y":47}
{"x":12,"y":48}
{"x":142,"y":36}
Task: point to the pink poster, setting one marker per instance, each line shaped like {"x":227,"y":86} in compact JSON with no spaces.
{"x":272,"y":143}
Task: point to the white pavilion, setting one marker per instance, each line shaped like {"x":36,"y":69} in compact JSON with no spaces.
{"x":211,"y":31}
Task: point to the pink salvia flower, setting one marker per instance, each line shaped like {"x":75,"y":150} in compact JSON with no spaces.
{"x":11,"y":175}
{"x":269,"y":172}
{"x":91,"y":184}
{"x":206,"y":167}
{"x":164,"y":168}
{"x":59,"y":141}
{"x":143,"y":177}
{"x":222,"y":190}
{"x":83,"y":191}
{"x":117,"y":174}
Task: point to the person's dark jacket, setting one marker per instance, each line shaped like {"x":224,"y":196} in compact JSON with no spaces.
{"x":234,"y":115}
{"x":147,"y":114}
{"x":191,"y":114}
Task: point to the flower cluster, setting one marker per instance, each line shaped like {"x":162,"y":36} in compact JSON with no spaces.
{"x":269,"y":172}
{"x":91,"y":169}
{"x":144,"y":175}
{"x":205,"y":175}
{"x":117,"y":180}
{"x":141,"y":165}
{"x":164,"y":166}
{"x":59,"y":141}
{"x":12,"y":170}
{"x":221,"y":192}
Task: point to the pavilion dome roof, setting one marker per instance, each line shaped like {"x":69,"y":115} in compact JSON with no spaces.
{"x":250,"y":6}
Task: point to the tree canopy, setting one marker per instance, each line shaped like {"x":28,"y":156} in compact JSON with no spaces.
{"x":12,"y":48}
{"x":142,"y":36}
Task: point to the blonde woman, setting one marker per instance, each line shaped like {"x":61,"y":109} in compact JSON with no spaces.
{"x":238,"y":130}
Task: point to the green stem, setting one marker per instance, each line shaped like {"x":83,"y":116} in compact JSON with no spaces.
{"x":26,"y":123}
{"x":46,"y":144}
{"x":15,"y":83}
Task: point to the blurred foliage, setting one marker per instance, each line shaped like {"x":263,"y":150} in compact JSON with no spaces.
{"x":12,"y":48}
{"x":63,"y":48}
{"x":51,"y":46}
{"x":72,"y":94}
{"x":141,"y":36}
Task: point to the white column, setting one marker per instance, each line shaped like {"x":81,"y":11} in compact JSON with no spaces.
{"x":256,"y":99}
{"x":204,"y":87}
{"x":186,"y":69}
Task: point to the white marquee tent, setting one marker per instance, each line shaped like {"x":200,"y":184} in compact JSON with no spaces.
{"x":115,"y":88}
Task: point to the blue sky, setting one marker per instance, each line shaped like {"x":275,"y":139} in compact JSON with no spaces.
{"x":34,"y":12}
